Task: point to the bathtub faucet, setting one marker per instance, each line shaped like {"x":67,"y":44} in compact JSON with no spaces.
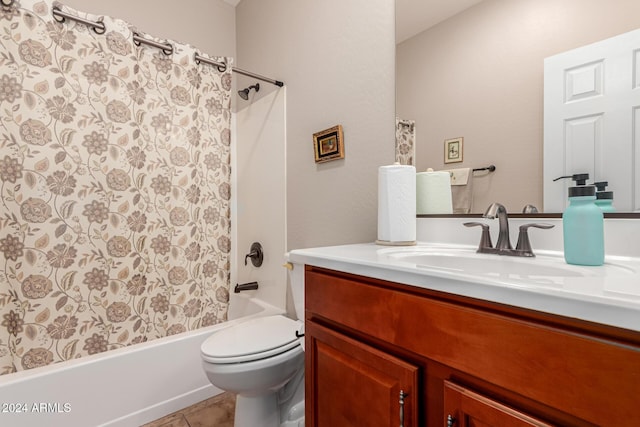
{"x":245,"y":287}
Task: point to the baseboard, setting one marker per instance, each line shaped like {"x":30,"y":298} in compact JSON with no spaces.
{"x":169,"y":406}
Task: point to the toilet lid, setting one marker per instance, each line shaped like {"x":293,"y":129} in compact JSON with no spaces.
{"x":251,"y":340}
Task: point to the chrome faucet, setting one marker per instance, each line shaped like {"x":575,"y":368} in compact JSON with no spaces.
{"x":496,"y":210}
{"x":503,"y":246}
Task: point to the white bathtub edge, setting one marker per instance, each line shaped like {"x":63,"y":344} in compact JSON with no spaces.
{"x":120,"y":388}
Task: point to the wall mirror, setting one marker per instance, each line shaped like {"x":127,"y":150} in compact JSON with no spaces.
{"x":475,"y":69}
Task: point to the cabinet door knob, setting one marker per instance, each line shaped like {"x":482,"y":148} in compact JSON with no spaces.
{"x":402,"y":396}
{"x":450,"y":421}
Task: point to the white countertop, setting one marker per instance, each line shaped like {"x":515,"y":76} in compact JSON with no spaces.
{"x":608,"y":294}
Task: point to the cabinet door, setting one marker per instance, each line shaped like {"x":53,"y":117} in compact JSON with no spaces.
{"x":349,"y":383}
{"x":465,"y":408}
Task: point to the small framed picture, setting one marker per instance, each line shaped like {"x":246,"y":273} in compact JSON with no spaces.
{"x":453,"y":150}
{"x":329,"y":144}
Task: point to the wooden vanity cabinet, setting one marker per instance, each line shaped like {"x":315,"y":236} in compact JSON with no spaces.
{"x":357,"y":385}
{"x":466,"y":408}
{"x":460,"y":361}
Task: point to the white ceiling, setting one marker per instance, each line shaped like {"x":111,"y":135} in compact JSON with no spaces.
{"x":415,"y":16}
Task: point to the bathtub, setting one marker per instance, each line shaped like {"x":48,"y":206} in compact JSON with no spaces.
{"x":125,"y":387}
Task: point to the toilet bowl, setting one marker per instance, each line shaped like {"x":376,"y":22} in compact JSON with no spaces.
{"x":262,"y":362}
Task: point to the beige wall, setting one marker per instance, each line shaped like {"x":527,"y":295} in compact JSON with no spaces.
{"x":479,"y":75}
{"x":337,"y":59}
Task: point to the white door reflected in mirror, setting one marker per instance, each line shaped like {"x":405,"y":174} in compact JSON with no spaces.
{"x":591,"y":119}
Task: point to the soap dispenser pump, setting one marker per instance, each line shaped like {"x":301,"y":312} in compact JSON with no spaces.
{"x":604,"y":199}
{"x":583,"y":225}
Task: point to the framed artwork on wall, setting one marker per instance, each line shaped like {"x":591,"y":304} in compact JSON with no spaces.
{"x":453,"y":150}
{"x":328,"y":144}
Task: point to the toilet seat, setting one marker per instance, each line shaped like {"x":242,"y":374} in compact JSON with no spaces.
{"x":252,"y":340}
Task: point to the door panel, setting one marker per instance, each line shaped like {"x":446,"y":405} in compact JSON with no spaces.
{"x":352,"y":384}
{"x":465,"y":408}
{"x":591,"y":99}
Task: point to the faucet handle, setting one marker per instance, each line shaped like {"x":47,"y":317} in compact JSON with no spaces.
{"x":256,"y":254}
{"x":485,"y":239}
{"x":523,"y":245}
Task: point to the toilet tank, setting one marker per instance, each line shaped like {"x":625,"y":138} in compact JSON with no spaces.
{"x":296,"y":278}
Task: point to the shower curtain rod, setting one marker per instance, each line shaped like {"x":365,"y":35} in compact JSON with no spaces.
{"x":99,"y":27}
{"x":239,"y":71}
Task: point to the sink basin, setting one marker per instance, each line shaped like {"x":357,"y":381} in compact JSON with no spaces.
{"x":464,"y":261}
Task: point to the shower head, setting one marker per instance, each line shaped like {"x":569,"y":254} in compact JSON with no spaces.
{"x":244,"y":93}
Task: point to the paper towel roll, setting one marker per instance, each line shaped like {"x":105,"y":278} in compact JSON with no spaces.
{"x":397,"y":205}
{"x":433,"y":193}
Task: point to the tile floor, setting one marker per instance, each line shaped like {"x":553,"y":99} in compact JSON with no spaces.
{"x":215,"y":412}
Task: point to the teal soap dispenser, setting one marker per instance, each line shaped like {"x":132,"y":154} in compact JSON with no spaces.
{"x":583,"y":225}
{"x":604,"y":199}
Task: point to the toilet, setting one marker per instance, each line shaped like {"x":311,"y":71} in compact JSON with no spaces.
{"x":262,"y":362}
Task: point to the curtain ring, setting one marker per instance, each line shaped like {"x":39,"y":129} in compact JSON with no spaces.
{"x":99,"y":27}
{"x":166,"y":48}
{"x":7,"y":4}
{"x":222,"y":68}
{"x":57,"y":17}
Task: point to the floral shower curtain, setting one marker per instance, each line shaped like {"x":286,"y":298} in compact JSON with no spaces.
{"x":114,"y":177}
{"x":405,"y":141}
